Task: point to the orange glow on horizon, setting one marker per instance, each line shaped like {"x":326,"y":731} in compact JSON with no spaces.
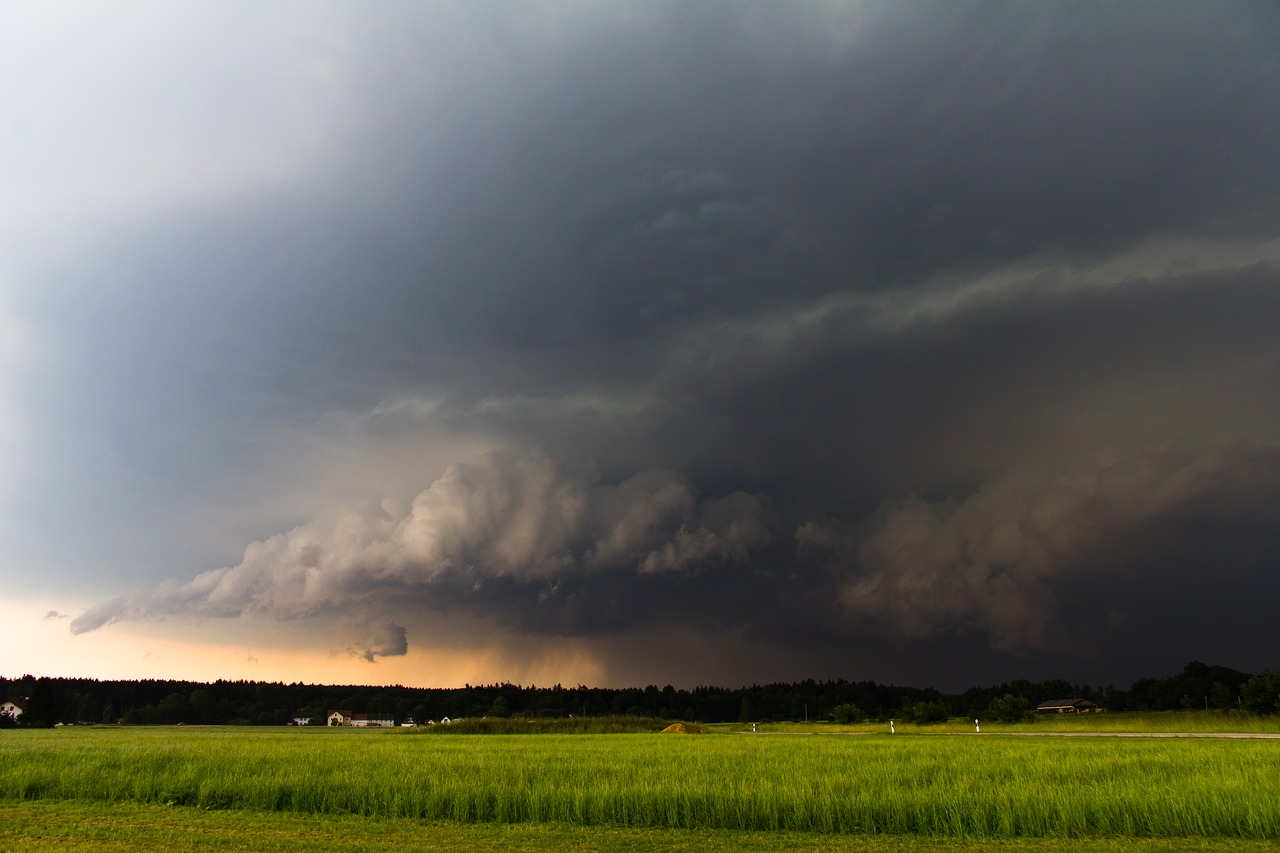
{"x":35,"y":643}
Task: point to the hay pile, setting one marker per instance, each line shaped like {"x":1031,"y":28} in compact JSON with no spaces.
{"x":681,"y":729}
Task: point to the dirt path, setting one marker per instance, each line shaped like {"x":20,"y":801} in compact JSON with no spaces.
{"x":1233,"y":735}
{"x":1247,"y":735}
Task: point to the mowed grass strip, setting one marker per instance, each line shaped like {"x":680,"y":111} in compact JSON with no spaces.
{"x":925,"y":786}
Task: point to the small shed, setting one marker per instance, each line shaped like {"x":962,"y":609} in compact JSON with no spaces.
{"x":1068,"y":706}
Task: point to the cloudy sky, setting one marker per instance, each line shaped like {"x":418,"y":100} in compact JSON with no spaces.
{"x":616,"y":343}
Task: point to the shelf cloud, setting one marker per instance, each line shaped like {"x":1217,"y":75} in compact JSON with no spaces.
{"x":914,"y":343}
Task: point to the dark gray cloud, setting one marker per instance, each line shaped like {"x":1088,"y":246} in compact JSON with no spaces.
{"x":832,"y":328}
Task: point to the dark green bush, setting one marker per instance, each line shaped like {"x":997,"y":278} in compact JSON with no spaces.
{"x":846,"y":714}
{"x":1009,"y":708}
{"x":1261,"y":694}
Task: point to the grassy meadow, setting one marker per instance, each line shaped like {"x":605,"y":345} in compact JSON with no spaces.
{"x":990,"y":787}
{"x":1145,"y":722}
{"x":77,"y":827}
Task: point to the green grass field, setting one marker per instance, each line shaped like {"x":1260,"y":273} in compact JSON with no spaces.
{"x":1147,"y":722}
{"x":76,"y":827}
{"x":992,"y":789}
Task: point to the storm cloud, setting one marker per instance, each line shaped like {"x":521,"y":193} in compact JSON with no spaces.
{"x":520,"y":519}
{"x":990,"y":561}
{"x":904,"y":341}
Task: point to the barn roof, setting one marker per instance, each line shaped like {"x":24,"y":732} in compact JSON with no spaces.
{"x":1065,"y":703}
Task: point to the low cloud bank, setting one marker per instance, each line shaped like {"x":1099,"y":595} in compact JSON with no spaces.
{"x":1021,"y":563}
{"x":522,"y":518}
{"x":990,"y":561}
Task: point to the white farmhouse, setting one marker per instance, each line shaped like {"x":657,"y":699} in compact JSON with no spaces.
{"x":359,"y":721}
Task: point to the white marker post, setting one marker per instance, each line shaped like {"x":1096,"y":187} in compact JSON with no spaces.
{"x":976,"y":727}
{"x":891,"y":730}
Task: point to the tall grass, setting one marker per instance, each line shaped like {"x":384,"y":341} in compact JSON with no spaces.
{"x":981,"y":787}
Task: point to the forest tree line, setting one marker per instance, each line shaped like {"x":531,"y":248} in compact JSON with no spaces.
{"x":49,"y":701}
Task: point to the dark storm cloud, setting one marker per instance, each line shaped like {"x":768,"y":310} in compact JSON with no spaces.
{"x":378,"y":640}
{"x":992,"y":559}
{"x":697,"y":170}
{"x":872,"y":327}
{"x":521,"y":205}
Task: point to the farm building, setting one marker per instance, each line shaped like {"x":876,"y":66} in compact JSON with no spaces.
{"x":1068,"y":706}
{"x":13,"y":708}
{"x":346,"y":718}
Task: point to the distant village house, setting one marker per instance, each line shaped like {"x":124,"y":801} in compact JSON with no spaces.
{"x":359,"y":721}
{"x":13,"y":708}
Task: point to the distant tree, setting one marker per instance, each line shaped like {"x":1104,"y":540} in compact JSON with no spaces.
{"x":846,"y":713}
{"x":1187,"y":689}
{"x":1009,"y":708}
{"x":314,"y":713}
{"x":926,"y":713}
{"x":1114,"y":699}
{"x":42,"y":707}
{"x":203,"y":706}
{"x":1220,"y":696}
{"x":174,"y":708}
{"x":1261,"y":694}
{"x":82,"y":708}
{"x":147,"y":715}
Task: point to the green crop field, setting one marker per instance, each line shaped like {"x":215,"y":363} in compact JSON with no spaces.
{"x":1146,"y":722}
{"x":989,"y":788}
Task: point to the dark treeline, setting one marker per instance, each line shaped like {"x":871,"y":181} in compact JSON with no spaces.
{"x":83,"y":700}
